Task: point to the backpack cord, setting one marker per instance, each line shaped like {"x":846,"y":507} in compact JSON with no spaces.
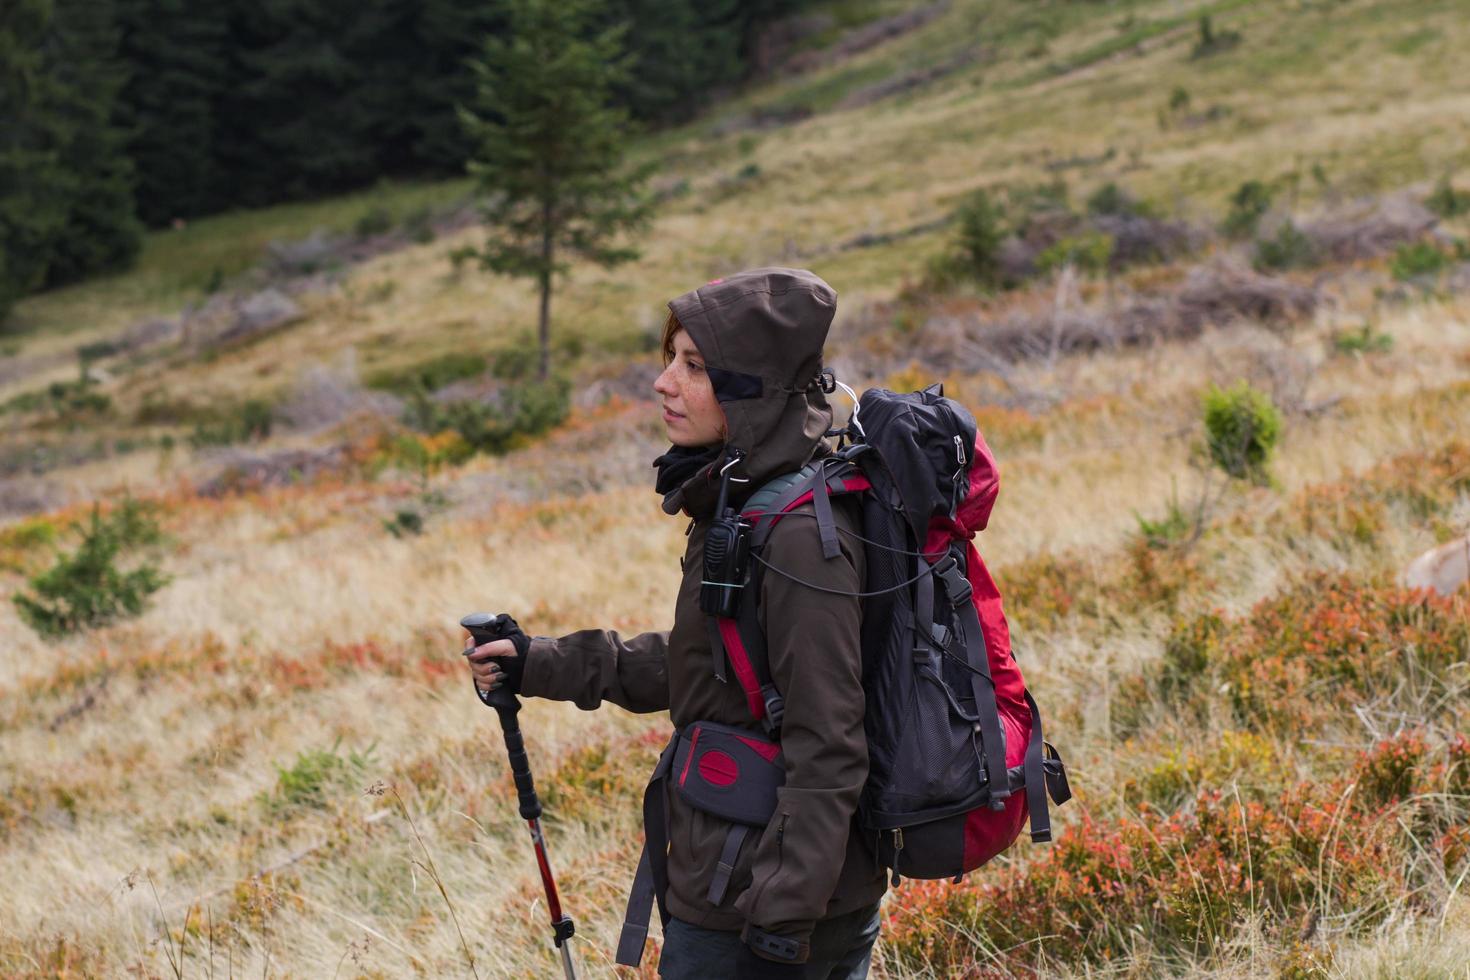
{"x":876,"y":544}
{"x":821,"y":588}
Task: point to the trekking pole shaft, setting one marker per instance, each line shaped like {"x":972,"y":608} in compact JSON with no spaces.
{"x":520,"y":763}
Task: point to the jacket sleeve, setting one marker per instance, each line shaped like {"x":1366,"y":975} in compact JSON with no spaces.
{"x":592,"y":666}
{"x":814,"y":644}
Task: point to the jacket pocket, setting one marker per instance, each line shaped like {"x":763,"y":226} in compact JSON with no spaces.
{"x":798,"y":861}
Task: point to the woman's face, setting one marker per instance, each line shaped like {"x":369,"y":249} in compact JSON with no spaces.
{"x":692,"y":415}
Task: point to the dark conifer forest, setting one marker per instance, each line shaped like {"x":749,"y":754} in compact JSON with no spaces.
{"x":126,"y":114}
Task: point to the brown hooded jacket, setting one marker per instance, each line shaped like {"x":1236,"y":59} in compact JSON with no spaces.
{"x":761,"y":334}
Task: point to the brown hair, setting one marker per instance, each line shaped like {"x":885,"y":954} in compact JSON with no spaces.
{"x":666,"y":342}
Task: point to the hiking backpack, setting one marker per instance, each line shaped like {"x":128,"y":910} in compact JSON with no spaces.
{"x":957,"y":759}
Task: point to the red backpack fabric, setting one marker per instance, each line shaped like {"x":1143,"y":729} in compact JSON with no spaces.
{"x":928,"y":482}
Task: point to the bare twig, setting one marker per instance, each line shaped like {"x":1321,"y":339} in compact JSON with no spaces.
{"x":175,"y":963}
{"x":433,"y":872}
{"x":83,"y":705}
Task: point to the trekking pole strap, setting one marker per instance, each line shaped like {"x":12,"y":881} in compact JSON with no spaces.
{"x":651,"y":882}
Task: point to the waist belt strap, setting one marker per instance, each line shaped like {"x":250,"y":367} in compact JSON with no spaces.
{"x":651,"y":882}
{"x":721,"y":881}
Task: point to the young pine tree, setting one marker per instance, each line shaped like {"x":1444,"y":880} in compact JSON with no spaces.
{"x":548,"y":148}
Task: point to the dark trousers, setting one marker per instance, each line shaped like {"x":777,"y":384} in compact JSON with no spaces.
{"x":841,"y":949}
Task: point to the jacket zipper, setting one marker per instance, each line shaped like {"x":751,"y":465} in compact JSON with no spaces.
{"x":780,"y":859}
{"x":897,"y":853}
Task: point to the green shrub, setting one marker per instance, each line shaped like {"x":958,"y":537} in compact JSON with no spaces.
{"x":249,"y":421}
{"x":1211,"y":41}
{"x":511,"y":363}
{"x":308,"y":781}
{"x":1029,"y":201}
{"x":1364,"y":340}
{"x":1089,"y":252}
{"x":1242,"y":427}
{"x":525,"y":411}
{"x":1418,"y":261}
{"x":405,"y":523}
{"x":374,"y":221}
{"x":87,"y":589}
{"x":1289,"y":248}
{"x":1173,"y":527}
{"x":428,"y":375}
{"x":1447,"y":201}
{"x":89,"y":353}
{"x":976,"y":253}
{"x":66,"y":400}
{"x":1248,"y":205}
{"x":419,"y":225}
{"x":1110,"y":199}
{"x":73,"y":398}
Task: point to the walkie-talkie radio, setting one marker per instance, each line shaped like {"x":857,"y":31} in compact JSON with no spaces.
{"x":726,"y":553}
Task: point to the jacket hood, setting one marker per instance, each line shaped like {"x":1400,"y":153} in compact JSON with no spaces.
{"x":761,"y":334}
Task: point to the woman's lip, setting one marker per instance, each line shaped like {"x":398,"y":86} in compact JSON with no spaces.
{"x":671,"y":416}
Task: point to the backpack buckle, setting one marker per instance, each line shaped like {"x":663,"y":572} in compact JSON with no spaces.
{"x":956,"y":586}
{"x":775,"y":709}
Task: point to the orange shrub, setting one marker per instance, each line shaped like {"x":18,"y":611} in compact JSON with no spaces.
{"x":1303,"y":658}
{"x":1177,"y":884}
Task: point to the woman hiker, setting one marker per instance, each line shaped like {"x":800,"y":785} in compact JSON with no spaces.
{"x":741,"y":391}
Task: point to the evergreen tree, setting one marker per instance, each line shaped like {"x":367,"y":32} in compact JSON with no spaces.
{"x":294,"y":122}
{"x":175,"y":52}
{"x":678,"y":59}
{"x":450,"y":34}
{"x":101,"y":232}
{"x":549,"y":147}
{"x":32,"y":199}
{"x":66,"y":207}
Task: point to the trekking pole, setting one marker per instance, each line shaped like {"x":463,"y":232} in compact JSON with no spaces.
{"x":484,"y":628}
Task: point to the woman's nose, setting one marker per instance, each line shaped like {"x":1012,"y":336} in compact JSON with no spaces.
{"x":664,"y":384}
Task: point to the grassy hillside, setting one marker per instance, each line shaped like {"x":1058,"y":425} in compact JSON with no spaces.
{"x":279,"y":768}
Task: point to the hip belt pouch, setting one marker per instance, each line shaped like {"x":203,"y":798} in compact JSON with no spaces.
{"x":729,"y":772}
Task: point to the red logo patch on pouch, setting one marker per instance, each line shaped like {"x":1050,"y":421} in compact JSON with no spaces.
{"x":718,"y":769}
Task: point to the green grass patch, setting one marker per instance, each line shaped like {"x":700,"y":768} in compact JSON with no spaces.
{"x":314,"y":777}
{"x":178,"y":265}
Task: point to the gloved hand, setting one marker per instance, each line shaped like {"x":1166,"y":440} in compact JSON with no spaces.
{"x":500,"y":662}
{"x":751,"y":966}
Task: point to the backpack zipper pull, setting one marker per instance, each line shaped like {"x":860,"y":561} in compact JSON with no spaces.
{"x":959,"y":450}
{"x":897,"y":852}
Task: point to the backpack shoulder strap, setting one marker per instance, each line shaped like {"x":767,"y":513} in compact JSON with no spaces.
{"x":816,"y":482}
{"x":742,"y":639}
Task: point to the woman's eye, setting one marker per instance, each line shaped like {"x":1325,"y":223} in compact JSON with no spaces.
{"x":695,"y":366}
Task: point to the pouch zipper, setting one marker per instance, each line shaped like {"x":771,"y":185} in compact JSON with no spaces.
{"x":897,"y":853}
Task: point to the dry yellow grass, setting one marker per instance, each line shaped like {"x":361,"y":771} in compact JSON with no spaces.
{"x":144,"y":768}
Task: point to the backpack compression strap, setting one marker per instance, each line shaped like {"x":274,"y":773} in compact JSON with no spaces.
{"x":742,"y":638}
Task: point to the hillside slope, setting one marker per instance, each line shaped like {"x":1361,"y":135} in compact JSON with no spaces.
{"x":279,"y":766}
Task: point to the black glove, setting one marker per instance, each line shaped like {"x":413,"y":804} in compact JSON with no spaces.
{"x":751,"y":966}
{"x":512,"y":668}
